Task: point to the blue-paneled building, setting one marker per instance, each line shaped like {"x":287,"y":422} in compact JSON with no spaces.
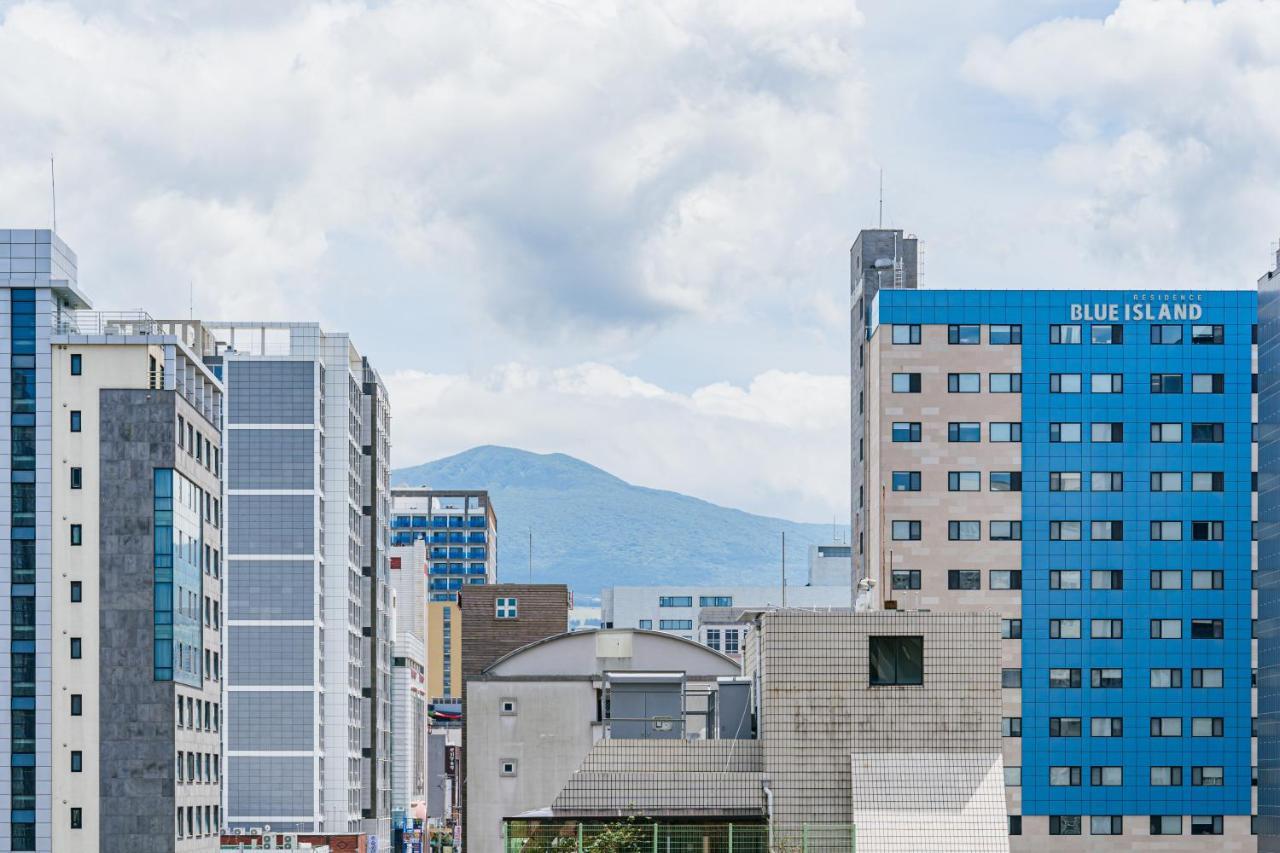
{"x":1084,"y":463}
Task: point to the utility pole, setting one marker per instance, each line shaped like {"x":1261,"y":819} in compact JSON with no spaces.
{"x":530,"y":555}
{"x":784,"y":569}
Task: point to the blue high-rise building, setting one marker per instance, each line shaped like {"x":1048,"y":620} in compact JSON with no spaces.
{"x":1269,"y":560}
{"x":1082,"y":462}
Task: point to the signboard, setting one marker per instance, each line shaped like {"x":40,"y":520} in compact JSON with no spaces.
{"x":1145,"y":307}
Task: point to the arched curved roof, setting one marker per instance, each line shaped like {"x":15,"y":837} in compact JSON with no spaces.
{"x":589,"y":653}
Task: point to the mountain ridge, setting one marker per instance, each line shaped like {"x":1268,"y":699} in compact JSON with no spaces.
{"x":591,"y":528}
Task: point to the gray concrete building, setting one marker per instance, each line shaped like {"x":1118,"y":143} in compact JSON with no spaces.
{"x":875,"y":729}
{"x":309,"y":628}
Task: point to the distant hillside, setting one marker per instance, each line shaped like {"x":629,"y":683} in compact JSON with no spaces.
{"x":591,"y":529}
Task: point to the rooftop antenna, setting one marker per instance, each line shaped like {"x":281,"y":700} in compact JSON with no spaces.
{"x":881,"y":225}
{"x":53,"y":191}
{"x":784,"y":570}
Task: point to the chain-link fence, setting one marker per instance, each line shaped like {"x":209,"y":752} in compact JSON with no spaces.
{"x":636,"y":836}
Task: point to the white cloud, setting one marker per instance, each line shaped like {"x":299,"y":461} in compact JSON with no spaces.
{"x":778,"y":446}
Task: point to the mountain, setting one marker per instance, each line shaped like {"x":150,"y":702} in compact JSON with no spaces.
{"x":592,"y":529}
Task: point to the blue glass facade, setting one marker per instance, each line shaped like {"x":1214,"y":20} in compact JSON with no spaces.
{"x":178,"y":587}
{"x":458,"y":549}
{"x":1193,"y":623}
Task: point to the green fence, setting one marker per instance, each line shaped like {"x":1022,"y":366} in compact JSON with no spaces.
{"x":636,"y":836}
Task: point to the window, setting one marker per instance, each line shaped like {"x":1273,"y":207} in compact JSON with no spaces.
{"x":964,"y":334}
{"x":646,"y":624}
{"x":75,"y":420}
{"x":1011,"y":727}
{"x":715,"y":601}
{"x":1206,"y":433}
{"x":1005,"y":579}
{"x":77,"y":814}
{"x":507,"y":766}
{"x":1106,"y":481}
{"x":77,"y":364}
{"x":1003,"y":334}
{"x":964,"y":579}
{"x":1206,"y":334}
{"x":1166,"y":727}
{"x":1103,"y":334}
{"x":1166,"y":579}
{"x":906,"y":531}
{"x":1202,"y":824}
{"x":1166,"y":334}
{"x":1064,"y":824}
{"x":1003,"y":432}
{"x":1064,"y":727}
{"x":1064,"y":531}
{"x":1012,"y":777}
{"x":964,"y":531}
{"x":1064,"y":579}
{"x":906,"y":431}
{"x":1206,"y":579}
{"x":1168,"y":824}
{"x":76,"y":648}
{"x":1106,"y":579}
{"x":964,"y":383}
{"x":964,"y":481}
{"x":77,"y":592}
{"x":507,"y":707}
{"x":77,"y":761}
{"x":1166,"y":383}
{"x":905,"y":579}
{"x":1108,"y":678}
{"x":1166,"y":531}
{"x":77,"y":704}
{"x":1165,"y":678}
{"x":1206,"y":678}
{"x":896,"y":660}
{"x":1064,"y":433}
{"x":1005,"y":531}
{"x":1107,"y":433}
{"x":1106,"y":824}
{"x":1011,"y":677}
{"x":1106,"y":531}
{"x":1206,"y":629}
{"x":1062,"y":677}
{"x":1207,"y":481}
{"x":1064,"y":334}
{"x":906,"y":383}
{"x":76,"y":534}
{"x":1206,"y":726}
{"x":1206,"y":531}
{"x":1064,"y":776}
{"x":1166,"y":481}
{"x":675,"y":624}
{"x":906,"y":334}
{"x":675,"y":601}
{"x":1166,"y":629}
{"x":1005,"y":383}
{"x":1106,"y":629}
{"x":1207,"y":383}
{"x":906,"y":481}
{"x":1164,"y":433}
{"x":505,"y":608}
{"x":1106,"y":776}
{"x":1166,"y":777}
{"x":1106,"y":727}
{"x":1005,"y":481}
{"x":76,"y":478}
{"x":1064,"y":383}
{"x":964,"y":432}
{"x":1064,"y":481}
{"x":1206,"y":777}
{"x":1064,"y":629}
{"x":1107,"y":383}
{"x":1011,"y":629}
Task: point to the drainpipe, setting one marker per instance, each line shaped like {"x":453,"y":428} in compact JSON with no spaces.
{"x":768,"y":806}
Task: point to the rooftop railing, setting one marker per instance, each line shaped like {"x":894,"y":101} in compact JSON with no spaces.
{"x":106,"y":323}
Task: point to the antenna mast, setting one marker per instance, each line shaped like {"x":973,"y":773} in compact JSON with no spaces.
{"x":784,"y":569}
{"x":881,"y":225}
{"x":53,"y":192}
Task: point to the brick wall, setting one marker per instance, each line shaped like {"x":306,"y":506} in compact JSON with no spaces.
{"x":542,"y":611}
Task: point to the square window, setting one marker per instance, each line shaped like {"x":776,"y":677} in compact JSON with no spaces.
{"x":506,"y":608}
{"x":507,"y":707}
{"x":896,"y":660}
{"x":507,"y":766}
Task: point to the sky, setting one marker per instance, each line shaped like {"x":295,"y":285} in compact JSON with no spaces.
{"x":620,"y":229}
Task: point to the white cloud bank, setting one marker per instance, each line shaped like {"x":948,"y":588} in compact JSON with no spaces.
{"x":779,"y":446}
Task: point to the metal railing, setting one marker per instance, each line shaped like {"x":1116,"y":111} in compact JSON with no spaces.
{"x":632,"y":835}
{"x":107,"y":323}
